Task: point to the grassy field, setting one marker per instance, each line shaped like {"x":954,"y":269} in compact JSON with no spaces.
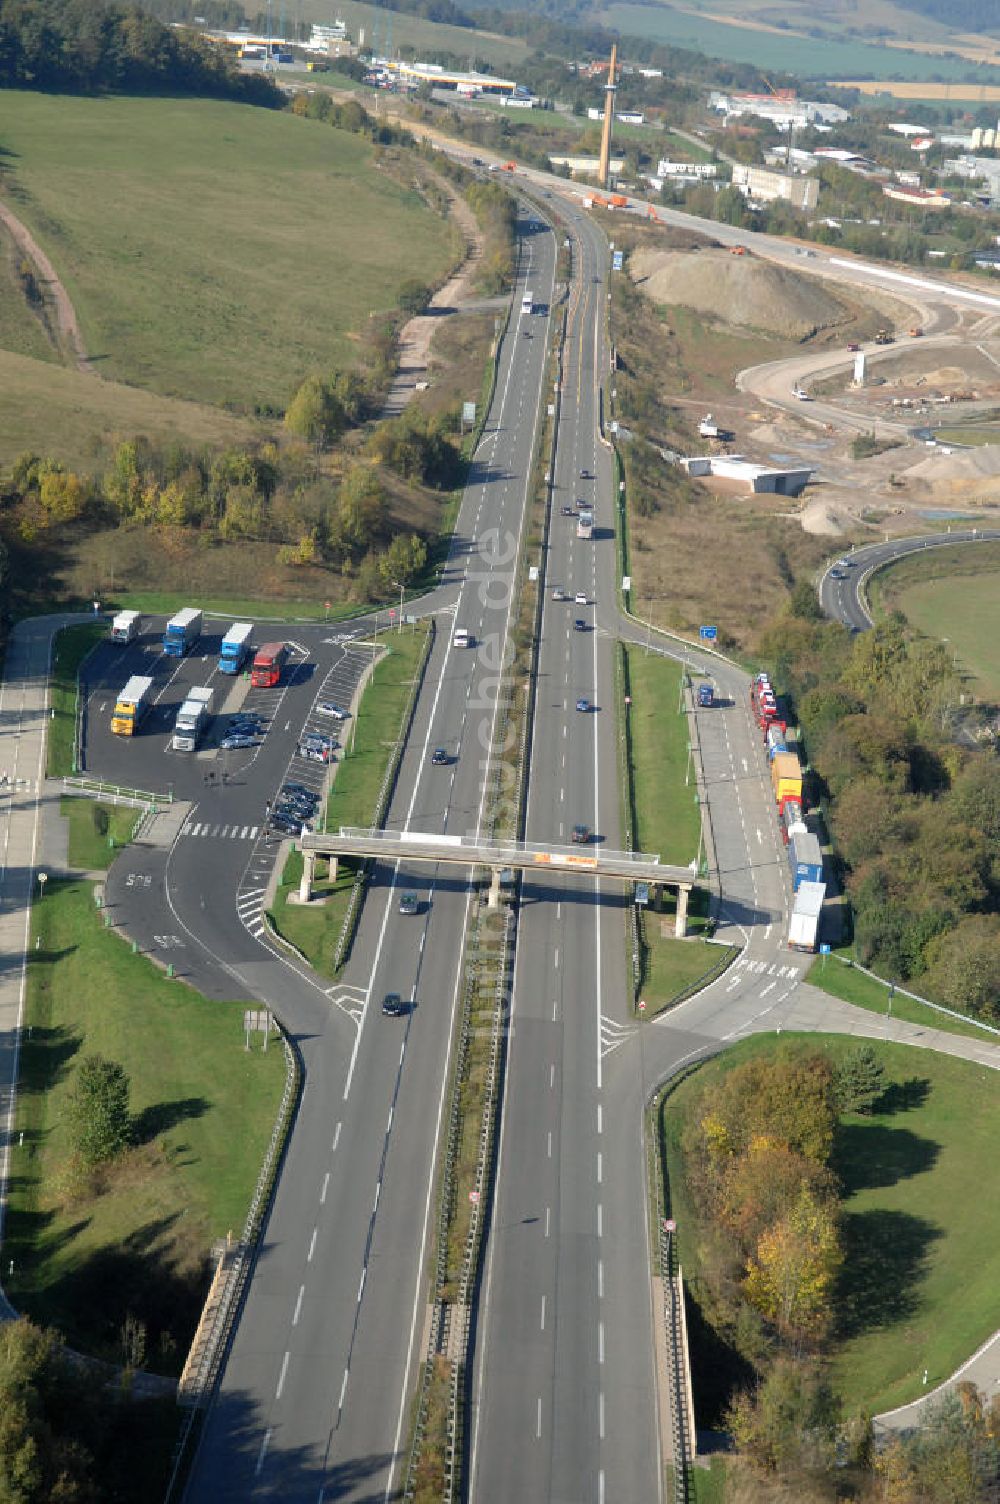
{"x":315,"y":930}
{"x":86,"y":1255}
{"x":214,"y":251}
{"x":921,"y":1281}
{"x":808,"y":57}
{"x":932,"y":93}
{"x":370,"y":740}
{"x":21,"y":328}
{"x":95,"y":831}
{"x":70,"y":416}
{"x":428,"y":38}
{"x":71,"y":647}
{"x":666,"y":809}
{"x":852,"y":986}
{"x":952,"y":594}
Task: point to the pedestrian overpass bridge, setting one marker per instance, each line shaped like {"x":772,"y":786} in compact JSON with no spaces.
{"x":498,"y":856}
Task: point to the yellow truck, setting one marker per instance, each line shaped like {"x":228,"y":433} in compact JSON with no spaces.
{"x":786,"y":776}
{"x":131,"y":705}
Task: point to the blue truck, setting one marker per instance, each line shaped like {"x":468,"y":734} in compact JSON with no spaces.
{"x":183,"y":631}
{"x":236,"y":647}
{"x":805,"y":859}
{"x":706,"y":694}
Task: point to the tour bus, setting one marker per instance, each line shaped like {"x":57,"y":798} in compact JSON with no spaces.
{"x":267,"y":665}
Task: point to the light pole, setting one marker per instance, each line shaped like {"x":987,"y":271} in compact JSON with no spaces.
{"x":400,"y":588}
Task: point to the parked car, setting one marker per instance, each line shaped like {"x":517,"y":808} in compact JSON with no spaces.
{"x":393,"y":1005}
{"x":236,"y":740}
{"x":330,"y":708}
{"x":300,"y":788}
{"x":409,"y":903}
{"x":315,"y":748}
{"x":439,"y":757}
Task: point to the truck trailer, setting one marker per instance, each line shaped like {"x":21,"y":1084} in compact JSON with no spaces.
{"x":183,"y":631}
{"x":786,"y":776}
{"x":131,"y":705}
{"x":805,"y":860}
{"x":126,"y":626}
{"x":192,"y":719}
{"x":585,"y":525}
{"x":803,"y":928}
{"x":236,"y":647}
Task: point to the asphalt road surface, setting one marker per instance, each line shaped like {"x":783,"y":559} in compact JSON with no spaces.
{"x":842,"y":590}
{"x":313,"y":1404}
{"x":314,"y":1400}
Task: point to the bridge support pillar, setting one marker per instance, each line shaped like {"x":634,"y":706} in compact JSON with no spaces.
{"x":680,"y":926}
{"x":656,"y":894}
{"x":334,"y":869}
{"x":493,"y":899}
{"x":308,"y":876}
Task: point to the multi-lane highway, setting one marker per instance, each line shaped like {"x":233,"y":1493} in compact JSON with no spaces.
{"x":314,"y":1400}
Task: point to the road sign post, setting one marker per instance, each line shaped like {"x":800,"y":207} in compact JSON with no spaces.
{"x":708,"y":634}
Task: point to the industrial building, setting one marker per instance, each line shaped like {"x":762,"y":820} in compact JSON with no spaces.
{"x":667,"y":169}
{"x":415,"y":74}
{"x":756,"y":478}
{"x":765,"y":186}
{"x":917,"y":198}
{"x":781,"y":108}
{"x":588,"y":166}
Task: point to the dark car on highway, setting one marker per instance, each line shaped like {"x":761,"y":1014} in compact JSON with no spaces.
{"x":393,"y":1005}
{"x":580,"y":835}
{"x":409,"y":903}
{"x":580,"y":625}
{"x":439,"y":757}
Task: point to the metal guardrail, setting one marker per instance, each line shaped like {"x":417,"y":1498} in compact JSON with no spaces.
{"x":114,"y":793}
{"x":441,"y":1336}
{"x":219,"y":1337}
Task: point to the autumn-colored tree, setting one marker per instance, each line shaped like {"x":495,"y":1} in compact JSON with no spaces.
{"x":787,"y":1100}
{"x":789,"y":1424}
{"x":790,"y":1278}
{"x":762,"y":1186}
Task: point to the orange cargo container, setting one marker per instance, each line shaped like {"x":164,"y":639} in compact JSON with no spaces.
{"x":619,"y":201}
{"x":786,"y":776}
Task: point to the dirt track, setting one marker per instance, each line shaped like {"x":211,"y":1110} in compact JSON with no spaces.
{"x":66,"y":320}
{"x":416,"y":335}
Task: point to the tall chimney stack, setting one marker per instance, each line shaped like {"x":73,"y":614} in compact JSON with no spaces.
{"x":604,"y":166}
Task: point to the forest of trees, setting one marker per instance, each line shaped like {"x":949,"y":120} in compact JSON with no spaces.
{"x":757,"y":1148}
{"x":914,"y":814}
{"x":84,"y":46}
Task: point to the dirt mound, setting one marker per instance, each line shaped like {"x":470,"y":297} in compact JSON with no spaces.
{"x":743,"y":290}
{"x":965,"y":464}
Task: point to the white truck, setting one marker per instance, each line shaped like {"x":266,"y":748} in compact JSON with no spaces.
{"x":126,"y":626}
{"x":463,"y":638}
{"x":803,"y":927}
{"x":192,"y":718}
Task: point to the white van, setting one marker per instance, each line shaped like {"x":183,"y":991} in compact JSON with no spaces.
{"x":463,"y":638}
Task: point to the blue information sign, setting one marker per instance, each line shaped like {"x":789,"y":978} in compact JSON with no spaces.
{"x":708,"y":634}
{"x":824,"y":950}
